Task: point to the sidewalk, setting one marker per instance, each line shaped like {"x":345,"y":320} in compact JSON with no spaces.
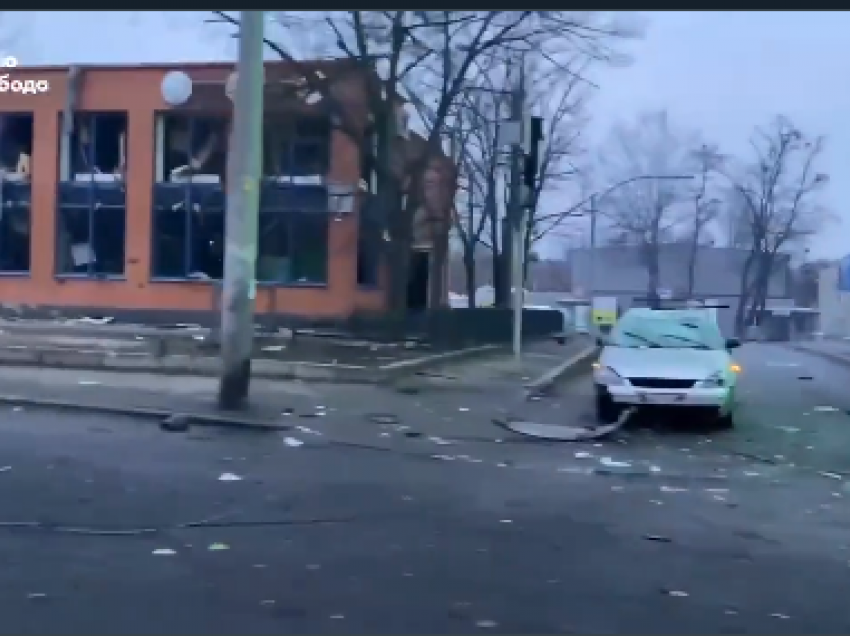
{"x":188,"y":350}
{"x":429,"y":406}
{"x":835,"y":350}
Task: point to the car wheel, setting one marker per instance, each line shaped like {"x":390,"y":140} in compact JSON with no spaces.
{"x":607,"y":410}
{"x":726,"y":421}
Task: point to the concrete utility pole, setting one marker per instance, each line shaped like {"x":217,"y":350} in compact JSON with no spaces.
{"x":516,"y":214}
{"x":243,"y":174}
{"x":592,"y":273}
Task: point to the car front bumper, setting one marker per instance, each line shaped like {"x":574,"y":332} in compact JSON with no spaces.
{"x":696,"y":397}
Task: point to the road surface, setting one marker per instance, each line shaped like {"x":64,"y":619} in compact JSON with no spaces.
{"x":112,"y":526}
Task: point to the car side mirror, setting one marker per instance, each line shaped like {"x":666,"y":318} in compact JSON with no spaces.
{"x":733,"y":343}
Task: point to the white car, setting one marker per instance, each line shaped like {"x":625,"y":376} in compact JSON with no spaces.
{"x":675,"y":358}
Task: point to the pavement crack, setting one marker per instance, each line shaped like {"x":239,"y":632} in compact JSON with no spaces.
{"x":41,"y":526}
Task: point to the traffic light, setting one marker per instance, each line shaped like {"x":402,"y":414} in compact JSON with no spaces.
{"x":532,"y":136}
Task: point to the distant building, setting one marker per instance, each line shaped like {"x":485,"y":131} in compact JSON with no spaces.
{"x":619,"y":271}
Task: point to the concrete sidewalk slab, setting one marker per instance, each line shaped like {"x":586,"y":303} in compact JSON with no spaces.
{"x":837,"y":351}
{"x":286,"y":364}
{"x":541,"y":363}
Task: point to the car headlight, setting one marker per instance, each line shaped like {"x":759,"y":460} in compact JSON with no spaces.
{"x":714,"y":381}
{"x":606,"y":375}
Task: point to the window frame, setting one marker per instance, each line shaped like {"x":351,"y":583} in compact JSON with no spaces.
{"x":66,"y":176}
{"x":290,"y":215}
{"x":296,"y":139}
{"x":27,"y":204}
{"x":189,"y":192}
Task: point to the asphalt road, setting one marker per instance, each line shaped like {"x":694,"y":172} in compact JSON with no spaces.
{"x":652,"y":532}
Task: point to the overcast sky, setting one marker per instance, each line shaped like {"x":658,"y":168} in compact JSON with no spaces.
{"x":719,"y":73}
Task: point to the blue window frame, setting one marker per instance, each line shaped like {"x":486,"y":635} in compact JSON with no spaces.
{"x":92,"y":197}
{"x":188,"y":197}
{"x":296,"y":146}
{"x":293,"y":235}
{"x":16,"y":140}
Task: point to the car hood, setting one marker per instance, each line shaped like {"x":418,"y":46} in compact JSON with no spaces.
{"x":669,"y":363}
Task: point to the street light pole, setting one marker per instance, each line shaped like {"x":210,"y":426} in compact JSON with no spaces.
{"x":592,"y":265}
{"x":515,"y":214}
{"x":242,"y":183}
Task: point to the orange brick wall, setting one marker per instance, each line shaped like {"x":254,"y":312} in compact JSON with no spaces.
{"x":137,"y":92}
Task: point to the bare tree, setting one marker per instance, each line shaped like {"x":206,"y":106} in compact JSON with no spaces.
{"x":647,"y":213}
{"x":560,"y":95}
{"x":706,"y":207}
{"x":423,"y":57}
{"x":778,"y":190}
{"x":474,"y":131}
{"x":481,"y":157}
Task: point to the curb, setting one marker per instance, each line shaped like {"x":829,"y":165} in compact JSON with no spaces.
{"x":574,"y":366}
{"x":226,"y":421}
{"x":182,"y":365}
{"x":826,"y":355}
{"x":393,"y":371}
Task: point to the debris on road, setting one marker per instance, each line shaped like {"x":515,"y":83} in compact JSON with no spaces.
{"x":218,"y":547}
{"x":658,"y":538}
{"x":789,"y":429}
{"x":164,"y":552}
{"x":384,"y":418}
{"x":613,"y":463}
{"x":292,"y":442}
{"x":826,"y":409}
{"x":229,"y":477}
{"x":562,"y":432}
{"x":177,"y":423}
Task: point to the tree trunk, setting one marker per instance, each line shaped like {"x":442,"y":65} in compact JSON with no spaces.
{"x":692,"y":267}
{"x":469,"y":271}
{"x":653,"y":275}
{"x":744,"y":296}
{"x":398,"y":254}
{"x":437,"y":275}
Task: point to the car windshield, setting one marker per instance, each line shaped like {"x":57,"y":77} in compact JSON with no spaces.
{"x":668,"y":332}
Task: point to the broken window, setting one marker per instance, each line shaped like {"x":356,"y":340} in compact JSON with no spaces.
{"x":188,"y":197}
{"x":92,"y":198}
{"x":293,"y":235}
{"x":16,"y":139}
{"x":296,"y":149}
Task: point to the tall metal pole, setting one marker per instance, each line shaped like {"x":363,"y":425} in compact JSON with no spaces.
{"x":591,"y":283}
{"x":240,"y":255}
{"x":592,"y":272}
{"x":516,"y":214}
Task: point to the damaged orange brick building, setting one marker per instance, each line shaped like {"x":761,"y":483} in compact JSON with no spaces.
{"x":114,"y":201}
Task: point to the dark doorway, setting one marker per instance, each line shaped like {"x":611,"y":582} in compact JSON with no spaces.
{"x":417,"y":281}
